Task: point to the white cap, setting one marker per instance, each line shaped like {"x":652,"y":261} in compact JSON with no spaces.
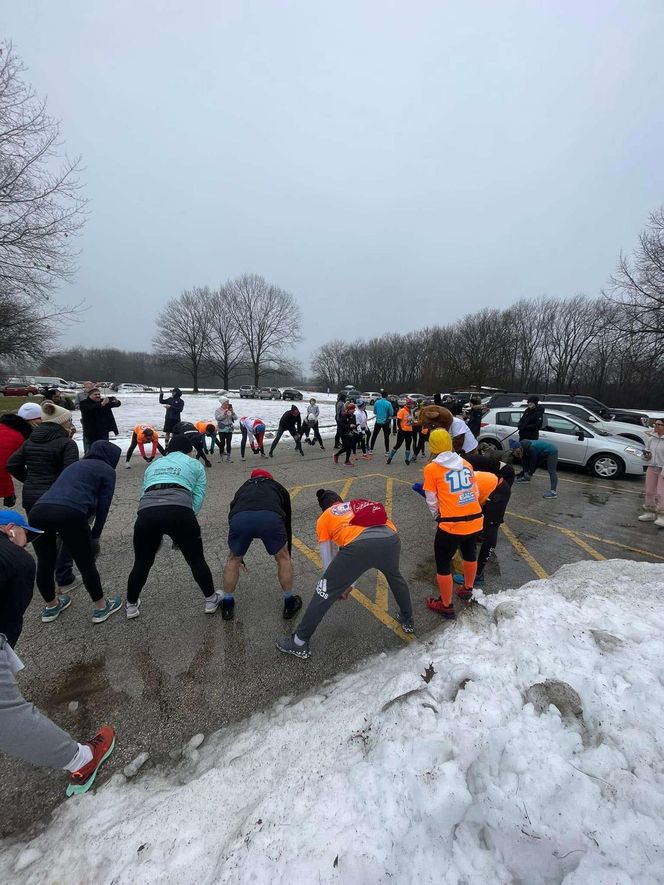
{"x":30,"y":411}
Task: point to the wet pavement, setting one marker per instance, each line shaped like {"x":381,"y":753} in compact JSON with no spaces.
{"x":175,"y":672}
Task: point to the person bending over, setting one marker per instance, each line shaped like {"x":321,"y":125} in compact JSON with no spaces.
{"x":252,"y":430}
{"x":290,"y":421}
{"x":144,"y":434}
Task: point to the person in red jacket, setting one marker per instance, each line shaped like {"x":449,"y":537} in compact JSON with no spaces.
{"x":14,"y":430}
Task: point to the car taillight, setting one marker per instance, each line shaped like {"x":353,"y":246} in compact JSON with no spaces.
{"x":484,"y":423}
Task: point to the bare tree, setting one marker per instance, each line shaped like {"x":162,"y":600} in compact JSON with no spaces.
{"x":183,"y":332}
{"x":638,"y":283}
{"x":41,"y":207}
{"x":268,"y":320}
{"x":27,"y":331}
{"x":226,"y":345}
{"x":329,"y":364}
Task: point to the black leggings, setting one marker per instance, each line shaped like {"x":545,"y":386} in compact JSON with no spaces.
{"x":296,"y":436}
{"x":359,"y":439}
{"x":134,"y":443}
{"x":445,"y":546}
{"x":224,"y":441}
{"x":386,"y":436}
{"x":347,"y":442}
{"x":403,"y":436}
{"x":317,"y":437}
{"x":180,"y":523}
{"x":418,"y":449}
{"x":73,"y":528}
{"x":255,"y":447}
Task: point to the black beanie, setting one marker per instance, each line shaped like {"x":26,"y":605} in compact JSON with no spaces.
{"x":179,"y":443}
{"x":327,"y":497}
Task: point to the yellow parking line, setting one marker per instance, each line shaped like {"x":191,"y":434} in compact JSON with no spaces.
{"x":357,"y":595}
{"x":295,"y":491}
{"x":582,"y":544}
{"x":346,"y":486}
{"x":521,"y":550}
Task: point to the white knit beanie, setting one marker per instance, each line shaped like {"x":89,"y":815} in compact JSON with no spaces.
{"x":54,"y":414}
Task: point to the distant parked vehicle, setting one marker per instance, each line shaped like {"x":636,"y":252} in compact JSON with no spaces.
{"x":608,"y":457}
{"x":18,"y":388}
{"x":269,"y":393}
{"x":611,"y":428}
{"x":291,"y":393}
{"x":131,"y":388}
{"x":371,"y":396}
{"x":352,"y":394}
{"x":416,"y":397}
{"x":248,"y":391}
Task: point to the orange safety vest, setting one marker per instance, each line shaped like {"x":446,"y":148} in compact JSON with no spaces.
{"x":458,"y":498}
{"x":405,"y":420}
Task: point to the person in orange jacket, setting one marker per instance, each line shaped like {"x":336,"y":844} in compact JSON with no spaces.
{"x":144,"y":434}
{"x":404,"y":430}
{"x":209,"y":431}
{"x":453,"y":497}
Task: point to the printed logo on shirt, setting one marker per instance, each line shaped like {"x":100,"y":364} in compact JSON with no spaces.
{"x":321,"y":588}
{"x":467,"y":497}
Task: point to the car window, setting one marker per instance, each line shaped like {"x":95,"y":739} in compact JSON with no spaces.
{"x":555,"y":424}
{"x":577,"y":411}
{"x":508,"y":419}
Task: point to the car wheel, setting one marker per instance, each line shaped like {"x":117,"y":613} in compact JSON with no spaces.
{"x":607,"y":466}
{"x":486,"y":446}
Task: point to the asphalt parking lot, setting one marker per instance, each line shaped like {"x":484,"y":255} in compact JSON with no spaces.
{"x":175,"y":672}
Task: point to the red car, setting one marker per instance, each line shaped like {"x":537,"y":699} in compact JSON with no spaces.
{"x":16,"y":388}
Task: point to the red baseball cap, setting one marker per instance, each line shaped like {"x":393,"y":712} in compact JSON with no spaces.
{"x":260,"y":472}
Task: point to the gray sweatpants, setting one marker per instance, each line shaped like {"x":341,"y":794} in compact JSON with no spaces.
{"x":25,"y":732}
{"x":379,"y":550}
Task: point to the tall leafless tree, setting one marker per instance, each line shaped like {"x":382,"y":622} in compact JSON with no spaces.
{"x":183,"y":332}
{"x":268,"y":320}
{"x":226,"y":347}
{"x":41,"y":205}
{"x":26,"y":330}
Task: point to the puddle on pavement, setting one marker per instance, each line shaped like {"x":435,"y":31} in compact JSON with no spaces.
{"x":77,"y":683}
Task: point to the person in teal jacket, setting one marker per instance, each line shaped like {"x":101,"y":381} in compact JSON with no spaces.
{"x":384,"y":413}
{"x":172,"y":496}
{"x":536,"y":453}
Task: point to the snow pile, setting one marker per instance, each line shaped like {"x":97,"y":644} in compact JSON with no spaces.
{"x":381,"y":776}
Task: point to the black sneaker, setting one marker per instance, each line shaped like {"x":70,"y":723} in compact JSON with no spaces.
{"x":227,"y":609}
{"x":288,"y":646}
{"x":407,"y":624}
{"x":292,"y":606}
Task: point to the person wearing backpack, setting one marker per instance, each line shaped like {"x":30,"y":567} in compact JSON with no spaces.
{"x":365,"y":539}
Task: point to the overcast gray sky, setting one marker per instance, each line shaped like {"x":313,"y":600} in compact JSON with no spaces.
{"x":391,"y":164}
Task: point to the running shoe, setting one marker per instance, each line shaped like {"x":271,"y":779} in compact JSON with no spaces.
{"x":436,"y":604}
{"x":465,"y":593}
{"x":99,"y":615}
{"x":102,"y":745}
{"x":288,"y":646}
{"x":522,"y":479}
{"x":128,"y":466}
{"x":647,"y":517}
{"x":212,"y":603}
{"x":132,"y":609}
{"x":50,"y":613}
{"x":227,"y":609}
{"x":292,"y":605}
{"x":550,"y":494}
{"x":407,"y":624}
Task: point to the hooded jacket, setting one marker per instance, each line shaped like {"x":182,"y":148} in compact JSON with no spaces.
{"x":655,"y":445}
{"x":98,"y":420}
{"x":383,"y":410}
{"x":88,"y":485}
{"x":452,"y":495}
{"x":531,"y":423}
{"x":175,"y":405}
{"x":13,"y":433}
{"x":263,"y":493}
{"x":291,"y":421}
{"x":225,"y":419}
{"x":41,"y":460}
{"x":178,"y":469}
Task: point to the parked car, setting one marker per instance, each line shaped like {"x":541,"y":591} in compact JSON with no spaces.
{"x":248,"y":391}
{"x":416,"y":397}
{"x":131,"y":388}
{"x":269,"y":393}
{"x":54,"y":381}
{"x":352,"y":394}
{"x":371,"y":396}
{"x":635,"y":416}
{"x":611,"y":428}
{"x":18,"y":388}
{"x":291,"y":393}
{"x":608,"y":457}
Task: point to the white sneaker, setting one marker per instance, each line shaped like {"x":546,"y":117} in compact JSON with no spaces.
{"x":659,"y":522}
{"x":212,"y":604}
{"x":132,"y":611}
{"x":128,"y":466}
{"x":648,"y":517}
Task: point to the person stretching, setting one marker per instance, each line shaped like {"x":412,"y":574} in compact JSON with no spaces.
{"x":311,"y":423}
{"x":290,"y":421}
{"x":365,"y":539}
{"x":195,"y":437}
{"x":260,"y":509}
{"x":536,"y":453}
{"x":172,"y":496}
{"x":144,"y":434}
{"x":208,"y":430}
{"x":252,"y":429}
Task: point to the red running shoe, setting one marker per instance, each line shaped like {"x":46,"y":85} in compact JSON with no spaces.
{"x":102,"y":745}
{"x":436,"y":604}
{"x":465,"y":593}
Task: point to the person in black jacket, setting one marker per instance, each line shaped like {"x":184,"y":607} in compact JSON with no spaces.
{"x":531,"y":421}
{"x":347,"y":427}
{"x":97,"y":417}
{"x":474,"y":419}
{"x":39,"y":462}
{"x":493,"y":509}
{"x":174,"y":405}
{"x":197,"y":439}
{"x":85,"y":489}
{"x":260,"y":509}
{"x":290,"y":421}
{"x":55,"y":395}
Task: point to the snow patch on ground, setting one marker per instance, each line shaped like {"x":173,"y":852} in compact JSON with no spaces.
{"x":379,"y":776}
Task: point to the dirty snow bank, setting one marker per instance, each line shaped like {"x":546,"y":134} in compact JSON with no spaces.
{"x":381,"y":777}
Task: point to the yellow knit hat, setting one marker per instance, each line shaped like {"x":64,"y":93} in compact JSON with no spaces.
{"x":440,"y":441}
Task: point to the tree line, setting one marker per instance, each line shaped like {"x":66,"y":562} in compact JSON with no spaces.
{"x":604,"y":346}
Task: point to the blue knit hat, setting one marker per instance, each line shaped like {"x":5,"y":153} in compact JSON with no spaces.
{"x":515,"y":444}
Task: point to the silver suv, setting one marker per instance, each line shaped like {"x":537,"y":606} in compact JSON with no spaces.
{"x":248,"y":391}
